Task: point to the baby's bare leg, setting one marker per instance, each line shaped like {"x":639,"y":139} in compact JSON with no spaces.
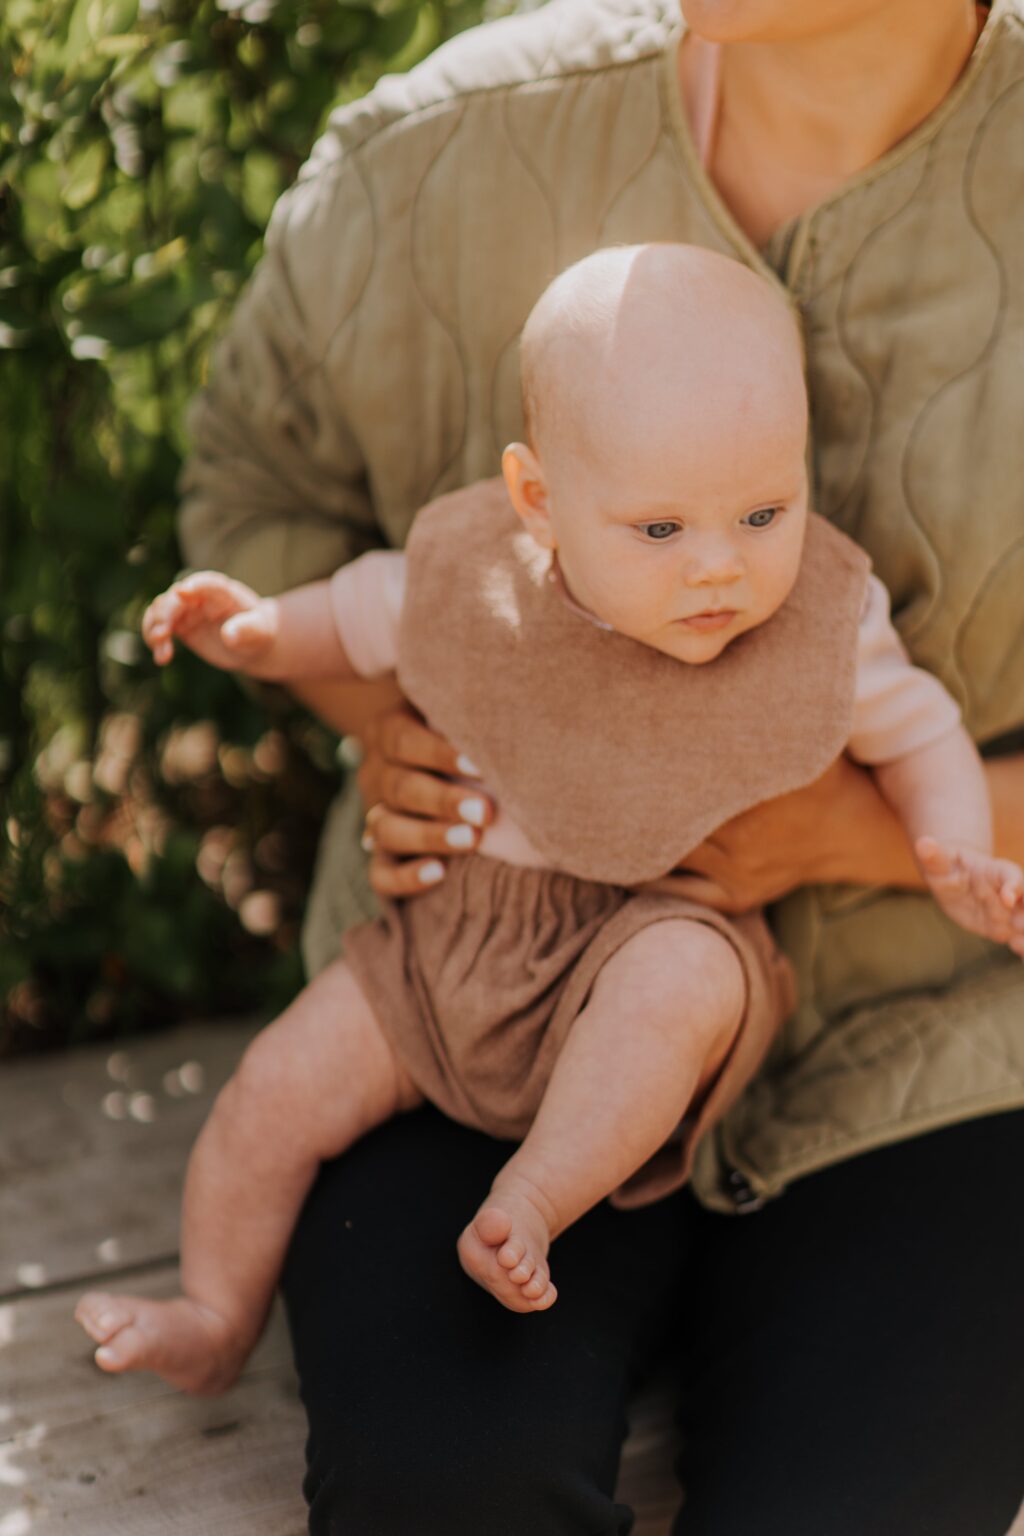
{"x":659,"y":1023}
{"x":308,"y":1086}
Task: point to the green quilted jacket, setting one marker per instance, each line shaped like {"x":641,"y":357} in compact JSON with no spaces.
{"x":372,"y":365}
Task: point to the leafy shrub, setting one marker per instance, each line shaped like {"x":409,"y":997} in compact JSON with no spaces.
{"x":156,"y":829}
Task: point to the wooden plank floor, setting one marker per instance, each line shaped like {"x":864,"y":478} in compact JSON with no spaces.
{"x":93,"y":1146}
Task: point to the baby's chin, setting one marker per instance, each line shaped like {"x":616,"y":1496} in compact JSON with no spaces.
{"x":694,"y":648}
{"x":698,"y":650}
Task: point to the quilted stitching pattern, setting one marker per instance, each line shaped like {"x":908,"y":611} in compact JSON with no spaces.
{"x":373,"y":365}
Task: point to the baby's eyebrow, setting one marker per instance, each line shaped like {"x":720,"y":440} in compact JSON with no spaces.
{"x":669,"y":513}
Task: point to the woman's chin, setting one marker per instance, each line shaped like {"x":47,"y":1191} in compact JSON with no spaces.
{"x":725,"y":21}
{"x":762,"y":21}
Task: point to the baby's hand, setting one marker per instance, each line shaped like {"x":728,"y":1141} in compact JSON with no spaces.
{"x":223,"y":621}
{"x":983,"y":894}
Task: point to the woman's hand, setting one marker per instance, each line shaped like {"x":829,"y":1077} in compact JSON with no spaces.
{"x":415,"y":812}
{"x":837,"y":829}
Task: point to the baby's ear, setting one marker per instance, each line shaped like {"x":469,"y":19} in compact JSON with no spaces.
{"x":528,"y":491}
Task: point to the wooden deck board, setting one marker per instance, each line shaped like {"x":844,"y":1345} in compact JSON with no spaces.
{"x":104,"y":1455}
{"x":73,"y":1127}
{"x":89,"y":1191}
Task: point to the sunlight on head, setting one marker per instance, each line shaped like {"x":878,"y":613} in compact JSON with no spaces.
{"x":636,"y":343}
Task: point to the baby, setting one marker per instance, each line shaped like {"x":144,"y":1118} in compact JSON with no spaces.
{"x":647,"y":571}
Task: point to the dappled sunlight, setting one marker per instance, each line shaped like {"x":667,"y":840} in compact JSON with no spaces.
{"x":115,"y":1105}
{"x":142,"y":1107}
{"x":16,"y":1523}
{"x":500,"y":597}
{"x":119,"y":1066}
{"x":191,"y":1077}
{"x":10,"y":1475}
{"x":529,"y":553}
{"x":136,"y":1104}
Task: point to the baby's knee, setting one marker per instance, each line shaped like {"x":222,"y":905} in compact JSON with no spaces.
{"x":264,"y":1084}
{"x":684,"y":964}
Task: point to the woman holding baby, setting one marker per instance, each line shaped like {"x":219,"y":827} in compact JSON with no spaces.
{"x":850,"y":1353}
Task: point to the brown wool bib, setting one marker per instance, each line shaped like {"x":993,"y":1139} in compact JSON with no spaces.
{"x":615,"y":759}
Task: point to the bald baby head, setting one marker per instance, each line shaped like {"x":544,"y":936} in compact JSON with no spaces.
{"x":667,"y":425}
{"x":635,"y":339}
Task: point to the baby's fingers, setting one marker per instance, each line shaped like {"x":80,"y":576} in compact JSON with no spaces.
{"x":1011,"y":888}
{"x":251,"y":632}
{"x":985,"y":886}
{"x":213,"y":596}
{"x":158,"y":624}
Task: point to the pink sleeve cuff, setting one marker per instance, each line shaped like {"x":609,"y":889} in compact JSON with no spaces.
{"x":366,"y":601}
{"x":899,"y":708}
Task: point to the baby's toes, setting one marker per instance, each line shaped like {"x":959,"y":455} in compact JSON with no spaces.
{"x":546,"y":1299}
{"x":101,"y":1315}
{"x":512,"y":1253}
{"x":537,"y":1284}
{"x":127,"y":1350}
{"x":523,"y":1271}
{"x":492,"y":1225}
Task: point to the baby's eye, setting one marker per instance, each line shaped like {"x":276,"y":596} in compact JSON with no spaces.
{"x":659,"y":530}
{"x":762,"y":518}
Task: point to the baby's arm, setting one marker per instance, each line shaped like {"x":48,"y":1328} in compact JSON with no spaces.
{"x":940,"y":794}
{"x":232,"y":627}
{"x":908,"y":730}
{"x":340,"y":629}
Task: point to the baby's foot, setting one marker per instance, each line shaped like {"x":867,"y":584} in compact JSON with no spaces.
{"x":190,"y":1346}
{"x":505,"y":1247}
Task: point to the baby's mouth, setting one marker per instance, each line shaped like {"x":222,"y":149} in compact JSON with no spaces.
{"x":710,"y":619}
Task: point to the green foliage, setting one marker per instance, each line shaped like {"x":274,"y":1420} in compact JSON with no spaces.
{"x":156,"y":830}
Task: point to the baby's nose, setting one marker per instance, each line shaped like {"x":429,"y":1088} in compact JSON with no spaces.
{"x":716,"y":563}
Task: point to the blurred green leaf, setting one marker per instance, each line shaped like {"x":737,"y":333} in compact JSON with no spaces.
{"x":261,"y":184}
{"x":142,"y":148}
{"x":83,"y":174}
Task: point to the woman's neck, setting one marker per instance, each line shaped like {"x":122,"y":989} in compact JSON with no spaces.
{"x":798,"y":118}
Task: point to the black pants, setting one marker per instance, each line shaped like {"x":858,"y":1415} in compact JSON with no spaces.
{"x":850,"y":1358}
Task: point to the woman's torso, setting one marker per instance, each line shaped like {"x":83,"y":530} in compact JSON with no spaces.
{"x":524,"y":147}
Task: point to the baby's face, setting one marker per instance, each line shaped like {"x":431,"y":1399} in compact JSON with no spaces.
{"x":684,"y":540}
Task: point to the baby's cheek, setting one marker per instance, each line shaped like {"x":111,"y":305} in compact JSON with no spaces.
{"x":772,"y":583}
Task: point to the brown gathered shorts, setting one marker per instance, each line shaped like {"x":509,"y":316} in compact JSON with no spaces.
{"x":476,"y":984}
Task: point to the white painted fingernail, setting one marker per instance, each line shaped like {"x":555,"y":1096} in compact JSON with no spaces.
{"x":460,"y":837}
{"x":367,"y":842}
{"x":350,"y":752}
{"x":104,"y":1356}
{"x":473,"y":811}
{"x":467,"y":766}
{"x":431,"y":873}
